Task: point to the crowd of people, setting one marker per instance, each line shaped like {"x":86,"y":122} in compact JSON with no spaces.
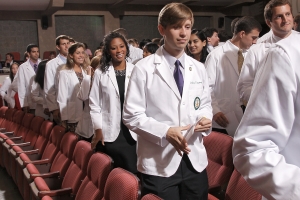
{"x":148,"y":104}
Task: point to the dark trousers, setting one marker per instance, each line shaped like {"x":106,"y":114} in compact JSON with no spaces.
{"x":185,"y":184}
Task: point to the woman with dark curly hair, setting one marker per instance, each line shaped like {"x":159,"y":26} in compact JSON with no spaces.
{"x":198,"y":46}
{"x":106,"y":102}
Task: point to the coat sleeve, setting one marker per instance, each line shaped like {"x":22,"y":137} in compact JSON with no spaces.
{"x":22,"y":86}
{"x":247,"y":76}
{"x":62,"y":95}
{"x":35,"y":93}
{"x":211,"y":69}
{"x":95,"y":101}
{"x":266,"y":128}
{"x":134,"y":116}
{"x":50,"y":86}
{"x":4,"y":87}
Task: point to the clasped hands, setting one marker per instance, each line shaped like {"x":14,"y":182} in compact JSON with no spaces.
{"x":175,"y":137}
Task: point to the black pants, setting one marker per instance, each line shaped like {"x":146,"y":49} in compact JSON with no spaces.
{"x":185,"y":184}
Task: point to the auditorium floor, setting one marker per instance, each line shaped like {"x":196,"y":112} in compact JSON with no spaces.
{"x":8,"y":190}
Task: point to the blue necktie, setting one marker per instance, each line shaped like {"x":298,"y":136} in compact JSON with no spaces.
{"x":178,"y":77}
{"x":35,"y":67}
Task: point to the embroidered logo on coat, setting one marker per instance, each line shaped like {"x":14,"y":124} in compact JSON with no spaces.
{"x":197,"y":103}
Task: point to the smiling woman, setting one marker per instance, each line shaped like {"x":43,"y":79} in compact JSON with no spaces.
{"x":106,"y":102}
{"x":71,"y":76}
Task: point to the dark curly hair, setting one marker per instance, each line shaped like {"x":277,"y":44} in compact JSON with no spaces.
{"x":106,"y":58}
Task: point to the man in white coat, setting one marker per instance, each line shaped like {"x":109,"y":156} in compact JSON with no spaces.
{"x":24,"y":77}
{"x":223,"y":69}
{"x":169,"y":107}
{"x":266,"y":144}
{"x":281,"y":27}
{"x":135,"y":53}
{"x":51,"y":76}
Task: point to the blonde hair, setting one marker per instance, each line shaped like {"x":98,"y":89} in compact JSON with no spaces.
{"x":175,"y":13}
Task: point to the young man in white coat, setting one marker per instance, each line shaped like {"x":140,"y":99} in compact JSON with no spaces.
{"x":223,"y":69}
{"x":51,"y":76}
{"x":168,"y":106}
{"x":266,"y":144}
{"x":24,"y":78}
{"x":278,"y":16}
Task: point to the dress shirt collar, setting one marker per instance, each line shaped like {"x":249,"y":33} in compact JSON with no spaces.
{"x":171,"y":59}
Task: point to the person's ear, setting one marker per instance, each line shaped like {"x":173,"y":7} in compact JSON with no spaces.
{"x":204,"y":43}
{"x":161,"y":30}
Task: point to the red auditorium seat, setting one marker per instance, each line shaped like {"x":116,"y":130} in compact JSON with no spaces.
{"x":219,"y":153}
{"x":121,"y":184}
{"x":238,"y":188}
{"x":3,"y":110}
{"x":92,"y":187}
{"x":72,"y":180}
{"x":7,"y":123}
{"x":151,"y":197}
{"x":46,"y":54}
{"x":29,"y":139}
{"x":49,"y":153}
{"x":47,"y":198}
{"x":16,"y":55}
{"x":17,"y":120}
{"x":39,"y":147}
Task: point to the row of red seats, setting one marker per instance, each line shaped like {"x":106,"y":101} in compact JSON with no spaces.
{"x":46,"y":162}
{"x":33,"y":151}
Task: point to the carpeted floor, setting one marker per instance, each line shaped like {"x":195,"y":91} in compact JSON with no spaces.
{"x":8,"y":189}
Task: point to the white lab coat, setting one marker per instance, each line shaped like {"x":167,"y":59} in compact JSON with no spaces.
{"x":153,"y":104}
{"x":105,"y":102}
{"x":135,"y":54}
{"x":222,"y":70}
{"x":22,"y":84}
{"x":51,"y":82}
{"x":85,"y":125}
{"x":7,"y":93}
{"x":266,"y":144}
{"x":38,"y":97}
{"x":70,"y":106}
{"x":251,"y":65}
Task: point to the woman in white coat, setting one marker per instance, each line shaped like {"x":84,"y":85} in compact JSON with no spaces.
{"x":106,"y":102}
{"x":70,"y":77}
{"x":37,"y":91}
{"x":6,"y":91}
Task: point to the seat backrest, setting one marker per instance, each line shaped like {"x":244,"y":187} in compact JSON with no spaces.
{"x":92,"y":187}
{"x":238,"y":188}
{"x":25,"y":125}
{"x":53,"y":144}
{"x":46,"y":54}
{"x":3,"y":110}
{"x":219,"y":153}
{"x":8,"y":121}
{"x":63,"y":158}
{"x":121,"y":183}
{"x":17,"y":120}
{"x":77,"y":169}
{"x":16,"y":55}
{"x":44,"y":135}
{"x":151,"y":197}
{"x":34,"y":130}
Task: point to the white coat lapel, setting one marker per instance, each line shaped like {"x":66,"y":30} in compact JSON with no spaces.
{"x":129,"y":68}
{"x":29,"y":67}
{"x":231,"y":55}
{"x":163,"y":69}
{"x":188,"y":70}
{"x":112,"y":76}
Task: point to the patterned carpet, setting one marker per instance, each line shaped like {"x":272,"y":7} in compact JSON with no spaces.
{"x":8,"y":190}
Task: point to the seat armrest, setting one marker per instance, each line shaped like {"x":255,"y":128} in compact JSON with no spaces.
{"x":16,"y":138}
{"x":30,"y":152}
{"x":2,"y":129}
{"x":8,"y":133}
{"x":22,"y":144}
{"x":52,"y":193}
{"x":46,"y":175}
{"x":38,"y":162}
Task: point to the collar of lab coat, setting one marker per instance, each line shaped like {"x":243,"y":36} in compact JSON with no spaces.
{"x":232,"y":55}
{"x":112,"y":75}
{"x":162,"y":68}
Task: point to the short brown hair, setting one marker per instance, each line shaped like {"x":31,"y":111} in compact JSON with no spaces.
{"x":268,"y":12}
{"x":174,"y":13}
{"x":61,"y":37}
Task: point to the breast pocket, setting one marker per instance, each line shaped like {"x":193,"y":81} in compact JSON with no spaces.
{"x":195,"y":94}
